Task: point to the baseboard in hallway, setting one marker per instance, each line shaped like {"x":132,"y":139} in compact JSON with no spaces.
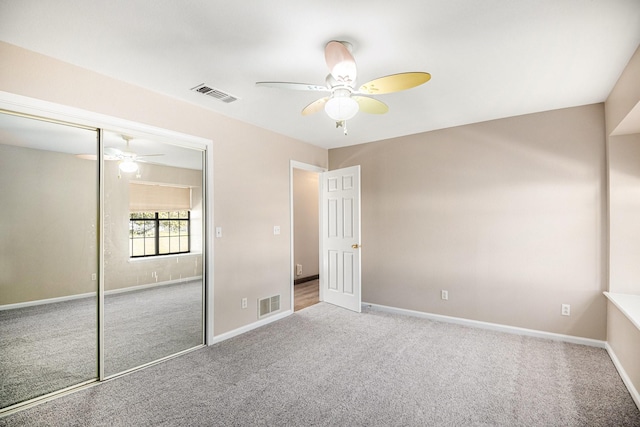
{"x":306,"y":279}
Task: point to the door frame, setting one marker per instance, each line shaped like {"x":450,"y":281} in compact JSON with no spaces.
{"x":293,"y":164}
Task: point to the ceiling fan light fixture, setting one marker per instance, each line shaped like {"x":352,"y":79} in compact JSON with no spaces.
{"x":341,"y":107}
{"x":128,"y":166}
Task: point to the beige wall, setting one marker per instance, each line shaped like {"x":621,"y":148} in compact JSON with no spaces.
{"x":625,"y":94}
{"x":622,"y":336}
{"x":48,"y":242}
{"x":251,"y":173}
{"x":506,"y":215}
{"x":624,"y":173}
{"x":624,"y":214}
{"x":305,"y":222}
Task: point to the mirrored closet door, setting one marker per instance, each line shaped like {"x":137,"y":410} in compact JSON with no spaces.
{"x":101,"y":259}
{"x":48,"y":257}
{"x":153,"y":225}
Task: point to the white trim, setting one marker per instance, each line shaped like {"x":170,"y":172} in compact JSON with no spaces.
{"x":208,"y":244}
{"x":293,"y":164}
{"x":46,"y":301}
{"x":162,"y":257}
{"x":93,"y":294}
{"x":490,"y":326}
{"x":628,"y":304}
{"x":246,"y":328}
{"x":623,"y":374}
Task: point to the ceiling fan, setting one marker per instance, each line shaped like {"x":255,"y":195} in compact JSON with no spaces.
{"x":345,"y":100}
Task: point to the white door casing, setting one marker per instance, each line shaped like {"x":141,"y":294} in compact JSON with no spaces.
{"x":340,"y":280}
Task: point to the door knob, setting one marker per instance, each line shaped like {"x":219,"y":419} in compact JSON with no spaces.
{"x":355,"y":246}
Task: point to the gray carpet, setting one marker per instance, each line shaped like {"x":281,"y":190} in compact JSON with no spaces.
{"x":49,"y":347}
{"x":328,"y":366}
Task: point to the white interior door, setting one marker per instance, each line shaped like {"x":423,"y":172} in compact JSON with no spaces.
{"x":340,"y":254}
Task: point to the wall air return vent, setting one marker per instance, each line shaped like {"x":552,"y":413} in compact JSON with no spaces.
{"x":215,"y":93}
{"x":269,"y":305}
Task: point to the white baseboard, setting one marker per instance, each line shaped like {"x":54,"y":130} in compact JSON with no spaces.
{"x":93,"y":294}
{"x":635,"y":395}
{"x":249,"y":327}
{"x":491,"y":326}
{"x":151,"y":285}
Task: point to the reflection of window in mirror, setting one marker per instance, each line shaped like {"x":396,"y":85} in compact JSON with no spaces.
{"x":160,"y":219}
{"x":159,"y":233}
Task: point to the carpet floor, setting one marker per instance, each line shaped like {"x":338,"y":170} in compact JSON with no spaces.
{"x":48,"y":347}
{"x":325,"y":366}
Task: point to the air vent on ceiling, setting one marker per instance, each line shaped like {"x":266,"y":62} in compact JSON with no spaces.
{"x":215,"y":93}
{"x":268,"y":305}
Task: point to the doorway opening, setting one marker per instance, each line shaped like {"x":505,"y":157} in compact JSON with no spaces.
{"x":305,"y":235}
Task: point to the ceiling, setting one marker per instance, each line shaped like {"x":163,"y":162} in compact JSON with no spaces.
{"x":488,"y":59}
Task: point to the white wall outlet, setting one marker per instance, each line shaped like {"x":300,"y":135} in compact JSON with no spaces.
{"x":566,"y":310}
{"x":276,"y":229}
{"x":218,"y":232}
{"x":298,"y":269}
{"x":444,"y":295}
{"x":244,"y":303}
{"x":94,"y":276}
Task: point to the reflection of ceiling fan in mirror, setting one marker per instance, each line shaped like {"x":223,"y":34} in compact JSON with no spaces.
{"x":345,"y":100}
{"x":127,"y":160}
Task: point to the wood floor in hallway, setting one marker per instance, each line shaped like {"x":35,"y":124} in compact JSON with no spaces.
{"x":306,"y":294}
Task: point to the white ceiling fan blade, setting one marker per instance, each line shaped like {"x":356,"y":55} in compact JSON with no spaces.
{"x":294,"y":86}
{"x":315,"y":106}
{"x":371,"y":105}
{"x":111,"y":151}
{"x":394,"y":83}
{"x":340,"y":62}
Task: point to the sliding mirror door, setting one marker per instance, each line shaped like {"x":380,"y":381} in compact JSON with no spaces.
{"x":48,"y":257}
{"x":153,"y":251}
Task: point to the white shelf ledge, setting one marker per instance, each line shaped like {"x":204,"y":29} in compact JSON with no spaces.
{"x":628,"y":304}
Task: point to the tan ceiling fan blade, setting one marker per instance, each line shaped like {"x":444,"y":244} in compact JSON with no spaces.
{"x":340,"y":62}
{"x":294,"y":86}
{"x":394,"y":83}
{"x":370,"y":105}
{"x":315,"y":106}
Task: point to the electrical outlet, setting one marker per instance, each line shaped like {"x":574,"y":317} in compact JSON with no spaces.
{"x":244,"y":303}
{"x":218,"y":232}
{"x":94,"y":276}
{"x":276,"y":229}
{"x":566,"y":310}
{"x":444,"y":295}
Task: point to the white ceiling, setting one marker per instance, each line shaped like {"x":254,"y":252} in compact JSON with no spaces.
{"x":488,"y":59}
